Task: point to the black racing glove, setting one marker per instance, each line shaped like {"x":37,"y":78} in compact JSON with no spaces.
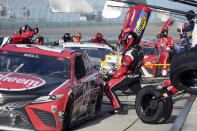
{"x":179,"y":30}
{"x":36,"y":30}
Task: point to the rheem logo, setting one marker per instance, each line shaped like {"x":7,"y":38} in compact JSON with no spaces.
{"x":19,"y":82}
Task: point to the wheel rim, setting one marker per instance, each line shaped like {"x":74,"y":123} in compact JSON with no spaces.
{"x":148,"y":105}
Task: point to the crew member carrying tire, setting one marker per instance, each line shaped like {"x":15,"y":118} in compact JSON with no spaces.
{"x":183,"y":71}
{"x":128,"y":75}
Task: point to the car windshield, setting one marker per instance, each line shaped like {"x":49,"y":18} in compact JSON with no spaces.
{"x":94,"y":52}
{"x":149,"y":50}
{"x":43,"y":65}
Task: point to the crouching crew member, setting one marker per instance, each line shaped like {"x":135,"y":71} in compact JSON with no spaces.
{"x":128,"y":75}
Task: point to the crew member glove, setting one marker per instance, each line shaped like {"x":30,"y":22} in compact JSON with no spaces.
{"x":36,"y":30}
{"x":179,"y":30}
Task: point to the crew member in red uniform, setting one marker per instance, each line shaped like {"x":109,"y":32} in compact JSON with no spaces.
{"x":171,"y":89}
{"x":98,"y":38}
{"x":77,"y":38}
{"x":164,"y":45}
{"x":128,"y":75}
{"x":24,"y":35}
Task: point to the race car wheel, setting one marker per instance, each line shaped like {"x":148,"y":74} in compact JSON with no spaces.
{"x":158,"y":70}
{"x":183,"y":71}
{"x":98,"y":104}
{"x":68,"y":114}
{"x":150,"y":109}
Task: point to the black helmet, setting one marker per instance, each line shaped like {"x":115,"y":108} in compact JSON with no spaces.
{"x":190,"y":15}
{"x":164,"y":33}
{"x":36,"y":30}
{"x":67,"y":37}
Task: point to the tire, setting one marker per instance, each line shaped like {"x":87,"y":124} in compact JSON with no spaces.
{"x":98,"y":104}
{"x":183,"y":71}
{"x":68,"y":114}
{"x":156,"y":114}
{"x":158,"y":70}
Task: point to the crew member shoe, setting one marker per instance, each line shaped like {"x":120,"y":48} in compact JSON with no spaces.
{"x":119,"y":111}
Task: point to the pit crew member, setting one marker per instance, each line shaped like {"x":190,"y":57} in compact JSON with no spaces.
{"x":170,"y":88}
{"x":190,"y":15}
{"x":164,"y":44}
{"x":66,"y":38}
{"x":77,"y":38}
{"x":24,"y":36}
{"x":128,"y":73}
{"x":98,"y":38}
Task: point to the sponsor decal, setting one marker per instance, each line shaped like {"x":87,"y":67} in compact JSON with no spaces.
{"x":60,"y":117}
{"x":32,"y":55}
{"x":170,"y":24}
{"x":19,"y":82}
{"x":141,"y":24}
{"x":53,"y":108}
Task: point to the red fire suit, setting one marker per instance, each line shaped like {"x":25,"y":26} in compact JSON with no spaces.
{"x":96,"y":40}
{"x":168,"y":83}
{"x":164,"y":45}
{"x":128,"y":75}
{"x":21,"y":38}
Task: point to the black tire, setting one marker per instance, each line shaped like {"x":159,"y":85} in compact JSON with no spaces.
{"x":183,"y":71}
{"x":159,"y":112}
{"x":98,"y":104}
{"x":68,"y":114}
{"x":158,"y":70}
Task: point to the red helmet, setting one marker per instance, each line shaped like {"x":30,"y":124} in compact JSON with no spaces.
{"x":99,"y":35}
{"x":79,"y":35}
{"x":24,"y":29}
{"x":128,"y":40}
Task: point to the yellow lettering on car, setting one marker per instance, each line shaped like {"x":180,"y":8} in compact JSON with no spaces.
{"x":141,"y":23}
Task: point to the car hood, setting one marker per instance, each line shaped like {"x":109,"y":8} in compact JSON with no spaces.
{"x":19,"y":82}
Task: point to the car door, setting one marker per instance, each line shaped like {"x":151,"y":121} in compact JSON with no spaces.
{"x":92,"y":89}
{"x":84,"y":86}
{"x":79,"y":85}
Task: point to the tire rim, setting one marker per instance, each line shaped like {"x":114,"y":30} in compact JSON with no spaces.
{"x":148,"y":105}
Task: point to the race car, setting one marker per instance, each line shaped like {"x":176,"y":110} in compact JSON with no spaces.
{"x":47,"y":88}
{"x":95,"y":51}
{"x":149,"y":69}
